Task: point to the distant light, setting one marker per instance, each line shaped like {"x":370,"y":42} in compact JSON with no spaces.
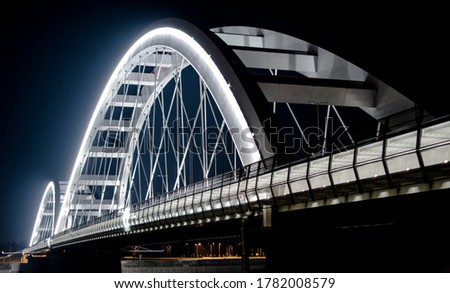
{"x":376,"y":175}
{"x":446,"y":161}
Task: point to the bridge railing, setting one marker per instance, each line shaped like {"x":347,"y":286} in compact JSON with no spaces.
{"x":402,"y":153}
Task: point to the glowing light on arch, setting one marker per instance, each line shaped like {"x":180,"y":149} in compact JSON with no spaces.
{"x":44,"y":226}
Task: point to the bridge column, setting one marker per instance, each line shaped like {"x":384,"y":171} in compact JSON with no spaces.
{"x":244,"y":246}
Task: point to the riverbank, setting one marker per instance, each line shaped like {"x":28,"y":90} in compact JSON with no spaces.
{"x":191,"y":265}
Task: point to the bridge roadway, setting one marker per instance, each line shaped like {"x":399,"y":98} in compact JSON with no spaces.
{"x":406,"y":161}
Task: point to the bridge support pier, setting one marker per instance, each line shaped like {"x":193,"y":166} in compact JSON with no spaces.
{"x":245,"y":257}
{"x":244,"y":246}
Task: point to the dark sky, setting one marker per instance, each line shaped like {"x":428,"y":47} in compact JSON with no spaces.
{"x":56,"y":59}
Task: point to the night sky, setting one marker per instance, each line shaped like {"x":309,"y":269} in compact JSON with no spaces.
{"x":56,"y":59}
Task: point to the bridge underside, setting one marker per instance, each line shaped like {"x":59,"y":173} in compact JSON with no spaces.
{"x":398,"y":234}
{"x":406,"y":233}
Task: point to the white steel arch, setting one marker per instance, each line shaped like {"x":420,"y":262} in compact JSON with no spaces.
{"x":124,"y":157}
{"x":45,"y":219}
{"x":275,"y":51}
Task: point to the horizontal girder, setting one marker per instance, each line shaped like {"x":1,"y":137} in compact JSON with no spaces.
{"x":277,"y":60}
{"x":323,"y":95}
{"x":98,"y":180}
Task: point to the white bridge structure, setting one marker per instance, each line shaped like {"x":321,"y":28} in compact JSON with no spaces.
{"x":201,"y":126}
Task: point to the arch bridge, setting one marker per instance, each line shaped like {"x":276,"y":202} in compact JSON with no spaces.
{"x":239,"y":124}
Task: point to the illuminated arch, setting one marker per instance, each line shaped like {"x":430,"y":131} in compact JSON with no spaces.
{"x":105,"y":174}
{"x":44,"y":225}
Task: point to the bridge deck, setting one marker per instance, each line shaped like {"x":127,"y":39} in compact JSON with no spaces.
{"x":407,"y":162}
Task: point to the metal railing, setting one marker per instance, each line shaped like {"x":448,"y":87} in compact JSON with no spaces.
{"x":410,"y":148}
